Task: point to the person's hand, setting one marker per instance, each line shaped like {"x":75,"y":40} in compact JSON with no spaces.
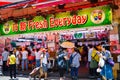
{"x":7,"y":64}
{"x":66,"y":58}
{"x":56,"y":56}
{"x":100,"y":55}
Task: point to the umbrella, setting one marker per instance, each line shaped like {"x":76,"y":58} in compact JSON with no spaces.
{"x":67,"y":44}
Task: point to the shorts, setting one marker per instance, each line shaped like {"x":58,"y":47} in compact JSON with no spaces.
{"x":44,"y":66}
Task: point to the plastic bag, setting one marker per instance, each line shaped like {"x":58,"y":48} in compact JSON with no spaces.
{"x":99,"y":70}
{"x":101,"y":62}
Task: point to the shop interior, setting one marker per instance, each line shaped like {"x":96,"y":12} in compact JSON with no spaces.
{"x":52,"y":40}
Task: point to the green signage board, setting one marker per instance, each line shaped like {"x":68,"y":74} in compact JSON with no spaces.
{"x":95,"y":16}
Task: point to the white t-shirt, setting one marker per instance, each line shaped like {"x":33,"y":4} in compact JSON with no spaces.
{"x":24,"y":54}
{"x":5,"y":55}
{"x":37,"y":55}
{"x":44,"y":58}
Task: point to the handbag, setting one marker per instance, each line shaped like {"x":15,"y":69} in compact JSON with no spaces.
{"x":110,"y":61}
{"x":93,"y":62}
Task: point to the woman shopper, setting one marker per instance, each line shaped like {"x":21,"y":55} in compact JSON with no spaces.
{"x":24,"y":58}
{"x":61,"y":61}
{"x":44,"y":62}
{"x":106,"y":72}
{"x":94,"y":60}
{"x":5,"y":55}
{"x":11,"y":62}
{"x":17,"y":57}
{"x":37,"y":53}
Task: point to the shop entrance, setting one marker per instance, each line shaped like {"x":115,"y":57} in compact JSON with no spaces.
{"x":52,"y":40}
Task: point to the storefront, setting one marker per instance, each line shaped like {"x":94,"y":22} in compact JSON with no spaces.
{"x":86,"y":26}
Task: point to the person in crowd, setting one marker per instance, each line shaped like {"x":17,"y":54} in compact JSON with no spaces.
{"x":106,"y":72}
{"x":44,"y":61}
{"x":31,"y":58}
{"x":11,"y":62}
{"x":17,"y":57}
{"x":47,"y":54}
{"x":67,"y":59}
{"x":5,"y":55}
{"x":94,"y":61}
{"x":84,"y":53}
{"x":75,"y":63}
{"x":16,"y":52}
{"x":37,"y":56}
{"x":90,"y":47}
{"x":24,"y":58}
{"x":61,"y":61}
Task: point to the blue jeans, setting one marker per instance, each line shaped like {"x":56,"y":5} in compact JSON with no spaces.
{"x":44,"y":66}
{"x":74,"y":72}
{"x":37,"y":62}
{"x":24,"y":62}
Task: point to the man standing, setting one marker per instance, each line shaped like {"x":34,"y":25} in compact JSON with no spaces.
{"x":90,"y":47}
{"x":74,"y":63}
{"x":5,"y":55}
{"x":24,"y":58}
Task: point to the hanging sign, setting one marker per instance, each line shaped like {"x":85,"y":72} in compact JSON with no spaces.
{"x":96,"y":16}
{"x":78,"y":35}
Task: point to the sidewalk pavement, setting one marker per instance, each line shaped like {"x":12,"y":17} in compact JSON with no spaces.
{"x":24,"y":75}
{"x":27,"y":78}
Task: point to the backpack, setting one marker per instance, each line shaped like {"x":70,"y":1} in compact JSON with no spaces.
{"x":61,"y":62}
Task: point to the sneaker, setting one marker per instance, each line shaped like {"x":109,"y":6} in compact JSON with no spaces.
{"x":11,"y":79}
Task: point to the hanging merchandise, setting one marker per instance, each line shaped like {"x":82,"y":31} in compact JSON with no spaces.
{"x":90,"y":35}
{"x":50,"y":37}
{"x":62,"y":37}
{"x":7,"y":41}
{"x":57,"y":37}
{"x":68,"y":37}
{"x":101,"y":35}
